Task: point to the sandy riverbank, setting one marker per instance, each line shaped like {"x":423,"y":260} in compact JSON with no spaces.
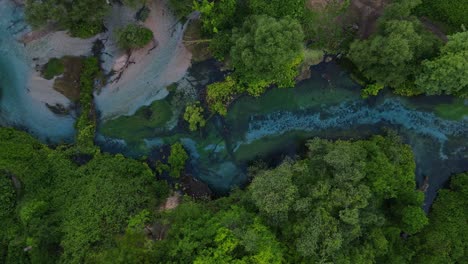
{"x":151,"y":68}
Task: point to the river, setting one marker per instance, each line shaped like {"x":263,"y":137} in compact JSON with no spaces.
{"x":270,"y":127}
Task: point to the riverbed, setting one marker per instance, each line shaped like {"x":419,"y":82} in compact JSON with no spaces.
{"x":136,"y":119}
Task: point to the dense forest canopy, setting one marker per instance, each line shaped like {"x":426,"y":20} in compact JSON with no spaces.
{"x":338,"y":201}
{"x":344,"y":202}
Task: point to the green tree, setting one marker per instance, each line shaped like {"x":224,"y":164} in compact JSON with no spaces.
{"x":414,"y":219}
{"x":325,"y":28}
{"x":267,"y":51}
{"x":451,"y":12}
{"x":7,"y":196}
{"x":447,"y":73}
{"x":274,"y":192}
{"x":220,"y":94}
{"x":277,"y":8}
{"x":445,"y":239}
{"x":392,"y":57}
{"x":194,"y":116}
{"x":84,"y":18}
{"x":133,"y":36}
{"x":217,"y":232}
{"x":216,"y":15}
{"x":177,"y":160}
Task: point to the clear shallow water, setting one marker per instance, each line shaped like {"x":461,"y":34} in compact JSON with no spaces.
{"x":327,"y":105}
{"x":277,"y":124}
{"x":17,"y":107}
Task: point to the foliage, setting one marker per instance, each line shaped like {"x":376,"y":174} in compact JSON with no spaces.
{"x":7,"y":196}
{"x":220,"y":45}
{"x":392,"y":57}
{"x":341,"y":191}
{"x":451,"y":12}
{"x":447,"y":73}
{"x":277,"y":8}
{"x":133,"y":36}
{"x":371,"y":90}
{"x":194,"y":116}
{"x":134,"y":3}
{"x":311,"y":57}
{"x":177,"y":160}
{"x":77,"y":209}
{"x":198,"y":235}
{"x":220,"y":94}
{"x":181,"y":8}
{"x":274,"y":192}
{"x":217,"y":15}
{"x":83,"y":18}
{"x":86,"y":125}
{"x":324,"y":27}
{"x":267,"y":51}
{"x":53,"y":68}
{"x":342,"y":202}
{"x":143,"y":14}
{"x":445,"y":239}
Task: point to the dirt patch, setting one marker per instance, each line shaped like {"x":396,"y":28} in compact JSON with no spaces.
{"x":365,"y":14}
{"x":171,"y":202}
{"x":69,"y":83}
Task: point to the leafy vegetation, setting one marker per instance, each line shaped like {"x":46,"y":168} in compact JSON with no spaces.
{"x":133,"y":36}
{"x":451,"y":12}
{"x":66,"y":211}
{"x":221,"y":94}
{"x":181,"y":8}
{"x":445,"y":240}
{"x":86,"y":123}
{"x":339,"y":202}
{"x":392,"y":57}
{"x":267,"y":51}
{"x":344,"y":202}
{"x":194,"y":116}
{"x":447,"y":73}
{"x":176,"y":161}
{"x":53,"y":68}
{"x":83,"y":18}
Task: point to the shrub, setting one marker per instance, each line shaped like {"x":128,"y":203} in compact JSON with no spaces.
{"x":53,"y":68}
{"x":133,"y":36}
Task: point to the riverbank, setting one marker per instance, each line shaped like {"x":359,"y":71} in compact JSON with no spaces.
{"x":150,"y":69}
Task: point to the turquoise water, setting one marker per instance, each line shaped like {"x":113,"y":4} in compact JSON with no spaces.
{"x":17,"y":107}
{"x":327,"y":105}
{"x":271,"y":127}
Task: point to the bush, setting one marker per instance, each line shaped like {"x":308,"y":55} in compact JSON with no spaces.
{"x":133,"y":36}
{"x":53,"y":68}
{"x":177,"y":160}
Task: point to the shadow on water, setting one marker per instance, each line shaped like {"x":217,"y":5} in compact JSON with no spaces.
{"x":277,"y":124}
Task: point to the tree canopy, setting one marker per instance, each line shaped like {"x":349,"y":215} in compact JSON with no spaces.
{"x":83,"y":17}
{"x":133,"y":36}
{"x":393,"y":56}
{"x":447,"y":73}
{"x":267,"y":51}
{"x":67,"y":211}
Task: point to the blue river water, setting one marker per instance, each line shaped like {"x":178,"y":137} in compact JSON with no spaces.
{"x":17,"y":107}
{"x":270,"y":127}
